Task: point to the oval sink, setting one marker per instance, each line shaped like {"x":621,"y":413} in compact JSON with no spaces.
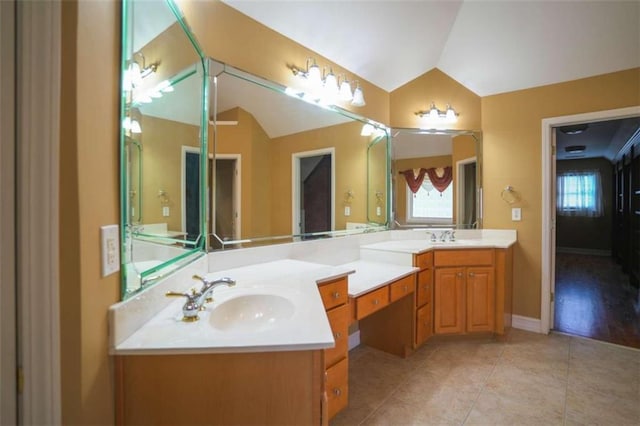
{"x":251,"y":312}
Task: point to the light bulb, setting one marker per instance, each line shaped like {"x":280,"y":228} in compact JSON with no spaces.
{"x":331,"y":84}
{"x":358,"y":97}
{"x":126,"y":123}
{"x":135,"y":127}
{"x":367,"y":130}
{"x":314,"y":76}
{"x":451,"y":115}
{"x":345,"y":91}
{"x":136,"y":78}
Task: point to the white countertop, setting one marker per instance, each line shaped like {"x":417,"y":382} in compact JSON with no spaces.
{"x":369,"y":276}
{"x":306,"y":328}
{"x":469,"y":240}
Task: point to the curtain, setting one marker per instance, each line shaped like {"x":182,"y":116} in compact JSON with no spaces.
{"x":579,"y":193}
{"x":440,"y":177}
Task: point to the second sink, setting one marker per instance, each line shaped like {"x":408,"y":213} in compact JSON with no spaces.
{"x":251,"y":312}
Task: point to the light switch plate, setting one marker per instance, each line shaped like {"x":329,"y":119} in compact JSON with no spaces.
{"x":347,"y":211}
{"x":165,"y":211}
{"x":516,"y":214}
{"x":109,"y":240}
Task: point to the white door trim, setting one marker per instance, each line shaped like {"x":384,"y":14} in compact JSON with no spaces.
{"x":8,"y":354}
{"x":38,"y":130}
{"x":295,"y":185}
{"x":548,"y":203}
{"x":237,"y":191}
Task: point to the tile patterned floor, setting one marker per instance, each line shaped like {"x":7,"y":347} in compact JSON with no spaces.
{"x":524,"y":379}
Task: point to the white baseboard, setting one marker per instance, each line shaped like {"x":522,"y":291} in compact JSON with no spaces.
{"x":354,"y":339}
{"x":526,"y":323}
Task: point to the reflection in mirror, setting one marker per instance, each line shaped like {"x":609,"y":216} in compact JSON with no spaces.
{"x":285,"y":169}
{"x":161,"y":145}
{"x":436,"y":178}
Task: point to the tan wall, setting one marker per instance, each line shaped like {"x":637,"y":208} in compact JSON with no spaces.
{"x":511,"y":126}
{"x":401,"y":183}
{"x":351,"y":172}
{"x":162,"y":142}
{"x":89,"y":198}
{"x":231,"y":37}
{"x":377,"y":182}
{"x":434,"y":86}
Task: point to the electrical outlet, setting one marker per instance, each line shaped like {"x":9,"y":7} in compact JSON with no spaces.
{"x":347,"y":211}
{"x":516,"y":214}
{"x":110,"y":249}
{"x":379,"y":211}
{"x":165,"y":211}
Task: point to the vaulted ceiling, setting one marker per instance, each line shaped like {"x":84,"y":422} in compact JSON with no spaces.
{"x":488,"y":46}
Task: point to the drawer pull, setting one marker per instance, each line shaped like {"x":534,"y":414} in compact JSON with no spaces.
{"x":471,"y":274}
{"x":338,"y":335}
{"x":459,"y":274}
{"x":405,"y":288}
{"x":336,"y":295}
{"x":337,"y":392}
{"x":376,"y":302}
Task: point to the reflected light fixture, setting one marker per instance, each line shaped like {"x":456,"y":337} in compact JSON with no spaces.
{"x":438,"y":116}
{"x":574,"y":129}
{"x":132,"y":125}
{"x":133,"y":75}
{"x":325,"y":87}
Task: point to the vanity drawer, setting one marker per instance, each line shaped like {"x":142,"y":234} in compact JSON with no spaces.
{"x":371,"y":302}
{"x":463,"y":257}
{"x":337,"y":387}
{"x":425,"y":287}
{"x":402,"y":287}
{"x":423,"y":260}
{"x":339,"y":321}
{"x":334,"y":293}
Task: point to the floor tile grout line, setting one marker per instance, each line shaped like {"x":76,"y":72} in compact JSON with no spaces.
{"x":484,"y":384}
{"x":385,"y":399}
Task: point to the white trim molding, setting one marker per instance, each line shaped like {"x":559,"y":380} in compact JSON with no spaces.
{"x":38,"y":137}
{"x":548,"y":204}
{"x":526,"y":323}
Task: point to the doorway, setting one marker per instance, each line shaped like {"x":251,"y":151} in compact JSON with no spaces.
{"x":466,"y":192}
{"x":191,"y":192}
{"x":313,"y":191}
{"x":225,"y":205}
{"x":549,"y":188}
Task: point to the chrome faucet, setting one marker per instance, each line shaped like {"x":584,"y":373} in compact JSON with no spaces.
{"x":196,"y":299}
{"x":433,"y":236}
{"x":445,"y":236}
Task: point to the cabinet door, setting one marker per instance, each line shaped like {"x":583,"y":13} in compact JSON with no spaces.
{"x":337,"y":387}
{"x":449,"y":300}
{"x":339,"y":321}
{"x":424,"y":287}
{"x":480,"y":299}
{"x":424,"y":326}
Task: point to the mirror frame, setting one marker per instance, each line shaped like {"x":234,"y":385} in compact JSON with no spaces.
{"x":127,"y":234}
{"x":477,"y":135}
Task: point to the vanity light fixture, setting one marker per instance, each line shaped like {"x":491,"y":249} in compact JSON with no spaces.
{"x":131,"y":125}
{"x":435,"y":115}
{"x":326,"y":87}
{"x":135,"y":72}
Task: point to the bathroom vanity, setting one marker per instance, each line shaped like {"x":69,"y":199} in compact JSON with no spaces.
{"x":274,"y":348}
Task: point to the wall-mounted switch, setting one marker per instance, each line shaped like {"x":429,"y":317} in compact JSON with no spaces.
{"x":379,"y":211}
{"x":347,"y":211}
{"x":516,"y":214}
{"x":165,"y":211}
{"x":109,"y":240}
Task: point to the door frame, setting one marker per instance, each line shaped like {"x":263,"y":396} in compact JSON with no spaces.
{"x":548,"y":253}
{"x":460,"y":174}
{"x":237,"y":191}
{"x":295,"y":185}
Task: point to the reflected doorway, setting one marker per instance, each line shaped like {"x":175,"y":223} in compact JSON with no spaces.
{"x":313,"y":191}
{"x":225,"y":208}
{"x":466,"y":192}
{"x":191,"y":192}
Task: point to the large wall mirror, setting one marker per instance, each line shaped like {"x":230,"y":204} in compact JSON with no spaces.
{"x":284,"y":169}
{"x":436,"y":178}
{"x":163,"y":144}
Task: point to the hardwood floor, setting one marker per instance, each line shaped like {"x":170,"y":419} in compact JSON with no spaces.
{"x":594,"y":299}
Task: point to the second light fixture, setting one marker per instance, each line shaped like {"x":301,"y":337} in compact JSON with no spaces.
{"x":327,"y":87}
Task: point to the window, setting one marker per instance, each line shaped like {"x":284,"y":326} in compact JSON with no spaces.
{"x":429,"y":205}
{"x":579,"y":194}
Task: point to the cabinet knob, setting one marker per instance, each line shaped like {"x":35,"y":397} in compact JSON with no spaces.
{"x":471,"y":274}
{"x":376,"y":302}
{"x":459,"y":274}
{"x":337,"y":391}
{"x":338,"y":335}
{"x":406,"y":288}
{"x":336,"y":295}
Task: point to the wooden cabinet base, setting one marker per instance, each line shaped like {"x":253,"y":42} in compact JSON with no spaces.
{"x":269,"y":388}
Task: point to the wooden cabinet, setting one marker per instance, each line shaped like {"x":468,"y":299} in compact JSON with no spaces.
{"x":335,"y":298}
{"x":424,"y":298}
{"x":464,"y":294}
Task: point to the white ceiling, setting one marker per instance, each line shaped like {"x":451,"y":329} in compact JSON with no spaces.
{"x":489,"y":46}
